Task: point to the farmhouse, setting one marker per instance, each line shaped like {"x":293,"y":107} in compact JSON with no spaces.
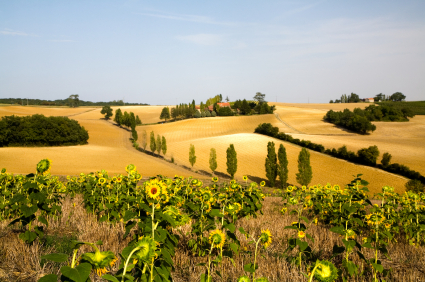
{"x":221,"y":105}
{"x":368,"y":100}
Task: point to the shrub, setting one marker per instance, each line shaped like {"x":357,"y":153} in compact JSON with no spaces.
{"x":38,"y":130}
{"x":369,"y":155}
{"x":415,"y":185}
{"x":386,"y":159}
{"x":213,"y":114}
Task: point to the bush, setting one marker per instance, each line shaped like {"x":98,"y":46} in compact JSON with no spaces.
{"x":225,"y":111}
{"x":213,"y":114}
{"x":38,"y":130}
{"x":369,"y":155}
{"x":267,"y":129}
{"x":415,"y":185}
{"x":386,"y":159}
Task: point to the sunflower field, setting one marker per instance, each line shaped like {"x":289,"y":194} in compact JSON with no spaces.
{"x":161,"y":216}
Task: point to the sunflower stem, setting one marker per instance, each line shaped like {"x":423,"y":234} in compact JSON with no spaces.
{"x":126,"y":262}
{"x":312,"y":272}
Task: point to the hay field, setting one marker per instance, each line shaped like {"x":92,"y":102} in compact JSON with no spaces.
{"x":147,"y":114}
{"x":109,"y":148}
{"x":251,"y":150}
{"x":405,"y":141}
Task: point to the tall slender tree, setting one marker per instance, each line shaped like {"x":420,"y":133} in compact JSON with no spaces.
{"x":118,"y":117}
{"x":232,"y":161}
{"x":271,"y":164}
{"x":152,"y":143}
{"x":305,"y":172}
{"x":164,"y":145}
{"x":158,"y":144}
{"x":144,"y":139}
{"x":192,"y":156}
{"x":283,"y":166}
{"x":213,"y":160}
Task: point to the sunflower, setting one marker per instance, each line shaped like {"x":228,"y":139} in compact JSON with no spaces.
{"x":130,"y":167}
{"x":153,"y":191}
{"x":119,"y":179}
{"x":217,"y":238}
{"x":266,"y":237}
{"x":146,"y":249}
{"x":44,"y":166}
{"x":214,"y":179}
{"x":100,"y":260}
{"x":350,"y":233}
{"x":3,"y":170}
{"x":325,"y":271}
{"x":290,"y":188}
{"x":301,"y":234}
{"x":262,"y":183}
{"x":207,"y":207}
{"x":244,"y":279}
{"x":102,"y":181}
{"x":245,"y":178}
{"x":283,"y":210}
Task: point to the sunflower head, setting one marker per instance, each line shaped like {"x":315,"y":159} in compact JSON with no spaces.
{"x":217,"y":238}
{"x":3,"y":170}
{"x":214,"y":179}
{"x":130,"y":167}
{"x":301,"y":234}
{"x":100,"y":260}
{"x":102,"y":181}
{"x":325,"y":271}
{"x":266,"y":238}
{"x":146,"y":249}
{"x":44,"y":166}
{"x":283,"y":210}
{"x":245,"y":178}
{"x":262,"y":183}
{"x":244,"y":279}
{"x":154,"y":188}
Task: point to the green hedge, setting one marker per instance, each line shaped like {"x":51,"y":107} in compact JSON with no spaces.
{"x":367,"y":156}
{"x":38,"y":130}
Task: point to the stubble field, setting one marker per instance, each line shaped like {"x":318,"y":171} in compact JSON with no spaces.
{"x":110,"y":148}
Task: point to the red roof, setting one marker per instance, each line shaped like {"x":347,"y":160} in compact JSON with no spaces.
{"x":224,"y":104}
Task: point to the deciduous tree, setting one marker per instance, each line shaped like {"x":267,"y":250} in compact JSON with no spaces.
{"x":305,"y":173}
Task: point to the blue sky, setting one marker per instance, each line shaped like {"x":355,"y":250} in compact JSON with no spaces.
{"x":168,"y":52}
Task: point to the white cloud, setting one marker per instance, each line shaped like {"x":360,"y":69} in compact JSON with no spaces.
{"x":7,"y":31}
{"x":184,"y":17}
{"x":202,"y":39}
{"x":62,"y":40}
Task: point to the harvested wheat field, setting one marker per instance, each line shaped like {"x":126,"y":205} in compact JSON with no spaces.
{"x":251,"y":150}
{"x":405,"y":141}
{"x":147,"y":114}
{"x":109,"y":148}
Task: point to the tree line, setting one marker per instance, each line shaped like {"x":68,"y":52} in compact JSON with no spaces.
{"x":72,"y":101}
{"x":354,"y":98}
{"x":38,"y":130}
{"x":366,"y":156}
{"x":359,"y":120}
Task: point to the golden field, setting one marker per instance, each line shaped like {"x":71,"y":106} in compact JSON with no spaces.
{"x":109,"y":146}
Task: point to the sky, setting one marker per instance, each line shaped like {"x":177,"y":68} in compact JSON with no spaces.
{"x":169,"y":52}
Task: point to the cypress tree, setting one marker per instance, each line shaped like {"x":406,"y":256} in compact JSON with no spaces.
{"x":283,"y":166}
{"x":213,"y":160}
{"x":192,"y":157}
{"x":305,"y":173}
{"x":158,"y":144}
{"x":271,"y":164}
{"x":118,"y":117}
{"x":164,"y":146}
{"x":152,"y":143}
{"x":144,"y":139}
{"x":134,"y":134}
{"x":232,"y":161}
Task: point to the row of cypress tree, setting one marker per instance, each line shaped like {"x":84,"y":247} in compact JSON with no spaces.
{"x":277,"y":165}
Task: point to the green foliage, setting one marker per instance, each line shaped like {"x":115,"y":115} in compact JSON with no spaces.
{"x":107,"y":111}
{"x":259,"y":97}
{"x":386,"y":159}
{"x":118,"y":116}
{"x":213,"y":160}
{"x":152,"y":142}
{"x":38,"y":130}
{"x":415,"y":108}
{"x":134,"y":135}
{"x":271,"y":164}
{"x":415,"y":185}
{"x":369,"y":155}
{"x":165,"y":114}
{"x":164,"y":145}
{"x":158,"y":144}
{"x":305,"y":172}
{"x":73,"y":100}
{"x":192,"y":156}
{"x":282,"y":169}
{"x":144,"y":139}
{"x":225,"y":111}
{"x":350,"y":120}
{"x":397,"y":97}
{"x":232,"y":161}
{"x":138,"y":121}
{"x":213,"y":114}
